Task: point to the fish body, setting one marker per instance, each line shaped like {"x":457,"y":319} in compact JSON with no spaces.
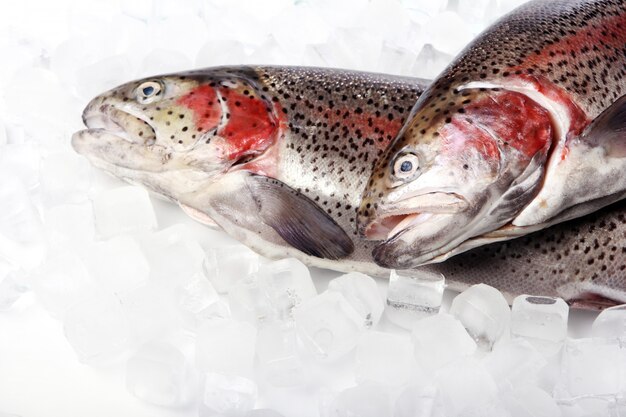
{"x":291,"y":173}
{"x":524,"y":129}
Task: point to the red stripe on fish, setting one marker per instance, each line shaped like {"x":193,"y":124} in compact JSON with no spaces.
{"x":512,"y":117}
{"x":251,"y":126}
{"x":205,"y":105}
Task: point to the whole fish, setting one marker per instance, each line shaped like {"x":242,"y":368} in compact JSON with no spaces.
{"x":524,"y":129}
{"x":284,"y":175}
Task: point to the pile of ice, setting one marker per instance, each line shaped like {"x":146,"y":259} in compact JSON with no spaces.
{"x":198,"y":320}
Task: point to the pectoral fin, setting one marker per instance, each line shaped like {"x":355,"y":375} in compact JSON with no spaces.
{"x":298,"y":220}
{"x":590,"y":168}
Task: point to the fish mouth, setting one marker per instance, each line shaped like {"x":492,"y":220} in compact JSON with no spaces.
{"x":410,"y":213}
{"x":120,"y":123}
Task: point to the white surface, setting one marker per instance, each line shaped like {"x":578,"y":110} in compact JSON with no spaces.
{"x":58,"y":54}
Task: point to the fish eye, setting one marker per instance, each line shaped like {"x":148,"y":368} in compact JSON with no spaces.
{"x":148,"y":91}
{"x":405,"y":165}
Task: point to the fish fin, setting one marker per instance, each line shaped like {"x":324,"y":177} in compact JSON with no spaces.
{"x":589,"y":301}
{"x":589,"y":168}
{"x":298,"y":220}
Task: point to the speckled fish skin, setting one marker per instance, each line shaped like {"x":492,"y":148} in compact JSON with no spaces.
{"x":339,"y":159}
{"x":292,"y":135}
{"x":524,"y":129}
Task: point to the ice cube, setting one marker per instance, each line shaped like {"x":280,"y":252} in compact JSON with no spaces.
{"x":164,"y":61}
{"x":62,"y":281}
{"x":65,"y":178}
{"x":592,"y":367}
{"x":97,"y":329}
{"x":151,"y":312}
{"x":263,"y":412}
{"x":11,"y":287}
{"x":362,"y":293}
{"x":227,"y":395}
{"x":384,"y":358}
{"x":102,"y":75}
{"x":424,"y":11}
{"x":440,"y":340}
{"x":449,"y":42}
{"x":221,"y":52}
{"x":396,"y":60}
{"x":328,"y":325}
{"x":530,"y":401}
{"x":70,"y":223}
{"x":186,"y":26}
{"x":195,"y":301}
{"x":542,"y":320}
{"x":158,"y":373}
{"x":277,"y":352}
{"x":22,"y":160}
{"x":515,"y":363}
{"x":174,"y":256}
{"x":484,"y":312}
{"x":226,"y":346}
{"x":611,"y":323}
{"x":118,"y":264}
{"x":227,"y":264}
{"x":412,"y":297}
{"x":419,"y":401}
{"x":430,"y":62}
{"x":366,"y":400}
{"x":465,"y":385}
{"x":22,"y":242}
{"x":273,"y":292}
{"x":123,"y":210}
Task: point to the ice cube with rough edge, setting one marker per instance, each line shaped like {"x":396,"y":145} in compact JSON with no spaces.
{"x":542,"y":320}
{"x":195,"y":299}
{"x":384,"y":358}
{"x":11,"y":287}
{"x":158,"y":373}
{"x":249,"y":301}
{"x":163,"y":61}
{"x":64,"y":177}
{"x":97,"y":329}
{"x":430,"y":62}
{"x":94,"y":78}
{"x":70,"y":223}
{"x":530,"y":401}
{"x":22,"y":240}
{"x":592,"y":367}
{"x":225,"y":265}
{"x":277,"y":353}
{"x":419,"y":400}
{"x":439,"y":340}
{"x":465,"y":385}
{"x":62,"y":281}
{"x":610,"y":323}
{"x":174,"y":256}
{"x":328,"y":325}
{"x":151,"y":312}
{"x":264,"y":412}
{"x":22,"y":160}
{"x":515,"y":363}
{"x":287,"y":283}
{"x":413,"y":297}
{"x":123,"y":210}
{"x":484,"y":312}
{"x":362,"y":293}
{"x":363,"y":400}
{"x":227,"y":395}
{"x":226,"y":346}
{"x":118,"y":264}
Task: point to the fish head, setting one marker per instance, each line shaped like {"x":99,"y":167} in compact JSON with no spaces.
{"x":189,"y":127}
{"x":447,"y":175}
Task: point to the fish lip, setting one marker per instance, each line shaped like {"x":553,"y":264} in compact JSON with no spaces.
{"x":407,"y":214}
{"x":106,"y":117}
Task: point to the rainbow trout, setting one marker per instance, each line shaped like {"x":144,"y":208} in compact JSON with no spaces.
{"x":524,"y":129}
{"x":278,"y":157}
